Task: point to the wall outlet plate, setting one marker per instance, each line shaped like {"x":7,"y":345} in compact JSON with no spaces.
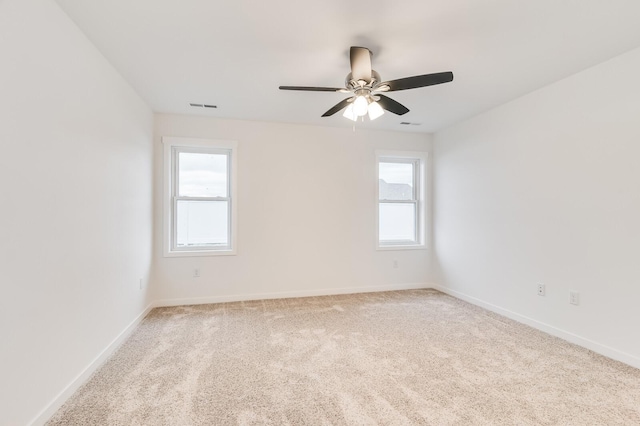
{"x":574,"y":297}
{"x":541,"y":289}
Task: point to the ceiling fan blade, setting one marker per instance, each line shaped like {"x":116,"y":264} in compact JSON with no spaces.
{"x":337,"y":107}
{"x":419,"y":81}
{"x":392,"y":106}
{"x":360,"y":63}
{"x":311,"y":89}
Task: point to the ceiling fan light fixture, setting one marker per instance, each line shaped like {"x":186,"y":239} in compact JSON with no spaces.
{"x":348,"y":113}
{"x":375,"y":110}
{"x":360,"y":106}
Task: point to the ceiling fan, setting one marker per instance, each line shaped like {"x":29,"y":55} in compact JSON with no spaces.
{"x":367,"y":88}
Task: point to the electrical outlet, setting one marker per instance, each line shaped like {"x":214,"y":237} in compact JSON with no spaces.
{"x":196,"y":273}
{"x":395,"y":264}
{"x":541,"y":290}
{"x":574,"y":297}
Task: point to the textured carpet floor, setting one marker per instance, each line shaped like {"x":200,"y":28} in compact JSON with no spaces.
{"x":395,"y":358}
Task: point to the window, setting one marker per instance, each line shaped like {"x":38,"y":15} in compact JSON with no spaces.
{"x":200,"y":200}
{"x":400,"y":212}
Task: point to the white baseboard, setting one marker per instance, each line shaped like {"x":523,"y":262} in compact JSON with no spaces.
{"x":287,"y":294}
{"x":81,"y":378}
{"x":554,"y":331}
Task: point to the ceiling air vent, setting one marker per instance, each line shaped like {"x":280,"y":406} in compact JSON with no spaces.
{"x":203,"y":106}
{"x":406,"y":123}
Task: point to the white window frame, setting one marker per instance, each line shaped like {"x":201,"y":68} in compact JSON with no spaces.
{"x":420,"y":185}
{"x":173,"y":146}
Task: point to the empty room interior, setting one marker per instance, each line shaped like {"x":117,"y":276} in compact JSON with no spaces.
{"x":320,"y":213}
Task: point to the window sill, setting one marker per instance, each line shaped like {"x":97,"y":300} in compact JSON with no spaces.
{"x":403,"y":247}
{"x":200,"y":253}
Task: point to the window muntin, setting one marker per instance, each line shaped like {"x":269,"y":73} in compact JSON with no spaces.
{"x":400,"y":200}
{"x":200,"y":207}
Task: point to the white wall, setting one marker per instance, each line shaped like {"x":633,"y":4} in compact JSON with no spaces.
{"x":547,"y":189}
{"x":76,"y":194}
{"x":306,"y":213}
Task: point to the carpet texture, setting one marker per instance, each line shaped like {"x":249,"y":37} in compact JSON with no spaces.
{"x":414,"y":357}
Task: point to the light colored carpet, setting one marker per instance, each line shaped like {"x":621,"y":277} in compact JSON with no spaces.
{"x":394,"y":358}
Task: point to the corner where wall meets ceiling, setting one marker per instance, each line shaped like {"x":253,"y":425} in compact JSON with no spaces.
{"x":235,"y":55}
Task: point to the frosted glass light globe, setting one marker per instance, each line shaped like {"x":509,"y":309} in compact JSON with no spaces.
{"x":348,"y":113}
{"x":375,"y":110}
{"x":360,"y":106}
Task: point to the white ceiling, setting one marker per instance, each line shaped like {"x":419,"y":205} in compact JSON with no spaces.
{"x":235,"y":54}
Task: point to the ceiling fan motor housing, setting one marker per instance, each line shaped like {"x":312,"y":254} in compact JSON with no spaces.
{"x":352,"y":84}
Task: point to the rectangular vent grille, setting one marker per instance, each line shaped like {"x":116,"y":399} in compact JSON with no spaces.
{"x":203,"y":106}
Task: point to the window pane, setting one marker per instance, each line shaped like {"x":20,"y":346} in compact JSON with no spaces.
{"x":396,"y":181}
{"x":202,"y":175}
{"x":202,"y":224}
{"x":397,"y":222}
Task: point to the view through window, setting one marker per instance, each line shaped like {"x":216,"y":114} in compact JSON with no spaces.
{"x":200,"y":204}
{"x":399,"y":200}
